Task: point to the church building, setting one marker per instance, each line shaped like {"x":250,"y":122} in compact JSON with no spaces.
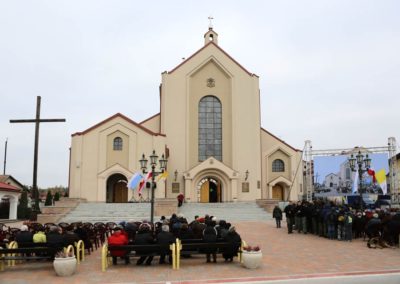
{"x":208,"y":128}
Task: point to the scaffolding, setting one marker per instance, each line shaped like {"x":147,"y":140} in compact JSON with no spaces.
{"x":390,"y":149}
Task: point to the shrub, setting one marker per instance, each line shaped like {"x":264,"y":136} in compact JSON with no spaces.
{"x":49,"y":199}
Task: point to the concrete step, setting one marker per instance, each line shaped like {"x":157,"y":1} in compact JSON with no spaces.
{"x":117,"y":212}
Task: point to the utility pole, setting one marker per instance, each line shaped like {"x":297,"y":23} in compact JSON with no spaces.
{"x":5,"y":157}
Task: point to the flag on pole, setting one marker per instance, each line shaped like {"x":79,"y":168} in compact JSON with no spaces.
{"x":381,"y":179}
{"x":355,"y":182}
{"x":162,"y":176}
{"x":371,"y":172}
{"x":134,"y":181}
{"x":143,"y":182}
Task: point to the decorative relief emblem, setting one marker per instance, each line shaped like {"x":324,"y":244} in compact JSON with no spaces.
{"x":210,"y":83}
{"x":211,"y":161}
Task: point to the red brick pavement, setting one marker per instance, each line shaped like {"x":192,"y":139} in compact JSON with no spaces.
{"x":284,"y":257}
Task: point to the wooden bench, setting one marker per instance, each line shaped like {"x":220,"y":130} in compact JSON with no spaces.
{"x":198,"y":246}
{"x":131,"y":250}
{"x":35,"y":251}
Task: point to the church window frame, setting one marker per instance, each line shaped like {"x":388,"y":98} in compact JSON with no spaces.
{"x":209,"y":128}
{"x":278,"y":166}
{"x":118,"y":144}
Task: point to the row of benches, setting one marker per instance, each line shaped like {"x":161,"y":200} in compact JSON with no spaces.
{"x":179,"y":248}
{"x":13,"y":253}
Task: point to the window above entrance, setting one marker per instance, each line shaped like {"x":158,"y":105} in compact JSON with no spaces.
{"x":117,"y":144}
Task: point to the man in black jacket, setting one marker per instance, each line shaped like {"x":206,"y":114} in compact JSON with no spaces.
{"x":290,"y":213}
{"x":165,"y":238}
{"x":144,"y":236}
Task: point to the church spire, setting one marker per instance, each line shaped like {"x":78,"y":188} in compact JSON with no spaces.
{"x":210,"y":35}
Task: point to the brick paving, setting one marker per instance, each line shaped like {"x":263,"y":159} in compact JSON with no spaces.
{"x":285,"y":256}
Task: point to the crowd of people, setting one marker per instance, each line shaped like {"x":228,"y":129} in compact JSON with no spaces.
{"x":340,"y":222}
{"x":207,"y":228}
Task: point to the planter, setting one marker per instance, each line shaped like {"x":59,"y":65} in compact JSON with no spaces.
{"x":252,"y":259}
{"x":65,"y":266}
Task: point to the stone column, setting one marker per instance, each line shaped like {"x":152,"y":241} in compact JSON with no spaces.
{"x":13,"y":207}
{"x":190,"y":195}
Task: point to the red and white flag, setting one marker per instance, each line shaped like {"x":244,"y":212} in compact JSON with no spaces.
{"x":143,"y":182}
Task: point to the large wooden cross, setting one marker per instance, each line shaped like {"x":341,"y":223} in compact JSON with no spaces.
{"x":37,"y":121}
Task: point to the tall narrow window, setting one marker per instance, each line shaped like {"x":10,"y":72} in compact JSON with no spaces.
{"x":278,"y":166}
{"x":117,"y":146}
{"x":210,"y":128}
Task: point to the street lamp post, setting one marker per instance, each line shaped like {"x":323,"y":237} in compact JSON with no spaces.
{"x":360,"y":164}
{"x":154,"y":173}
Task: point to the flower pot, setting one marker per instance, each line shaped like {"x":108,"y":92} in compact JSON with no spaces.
{"x":252,"y":259}
{"x":65,"y":266}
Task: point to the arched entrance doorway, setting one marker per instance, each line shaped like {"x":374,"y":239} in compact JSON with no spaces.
{"x":210,"y":190}
{"x":277,"y":192}
{"x":117,"y":191}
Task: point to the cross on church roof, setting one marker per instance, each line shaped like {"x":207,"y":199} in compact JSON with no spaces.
{"x":210,"y":18}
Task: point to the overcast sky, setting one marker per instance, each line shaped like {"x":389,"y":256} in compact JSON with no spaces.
{"x":329,"y":70}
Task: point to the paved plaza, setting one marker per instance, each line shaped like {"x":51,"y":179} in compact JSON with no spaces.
{"x":285,"y":257}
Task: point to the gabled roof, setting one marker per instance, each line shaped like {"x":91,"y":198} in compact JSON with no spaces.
{"x":123,"y":117}
{"x":8,"y":187}
{"x":4,"y":178}
{"x":151,"y":117}
{"x":223,"y":51}
{"x":280,"y":140}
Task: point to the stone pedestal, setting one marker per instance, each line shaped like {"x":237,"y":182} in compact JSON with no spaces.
{"x":165,"y":207}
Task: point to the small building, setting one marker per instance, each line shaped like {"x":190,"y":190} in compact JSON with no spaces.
{"x":10,"y":194}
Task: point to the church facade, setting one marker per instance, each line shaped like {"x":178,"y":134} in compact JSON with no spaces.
{"x":208,"y":128}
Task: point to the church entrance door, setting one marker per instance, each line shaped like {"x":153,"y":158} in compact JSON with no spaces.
{"x":117,"y":191}
{"x":210,"y":190}
{"x":277,"y":192}
{"x":120,"y":192}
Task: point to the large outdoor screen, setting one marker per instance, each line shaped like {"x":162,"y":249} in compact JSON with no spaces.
{"x":333,"y":176}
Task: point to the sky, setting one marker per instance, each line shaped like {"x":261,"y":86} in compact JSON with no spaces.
{"x":329,"y":70}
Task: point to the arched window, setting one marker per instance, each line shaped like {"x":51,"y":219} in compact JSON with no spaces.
{"x":278,"y":166}
{"x":210,"y":128}
{"x":117,"y":145}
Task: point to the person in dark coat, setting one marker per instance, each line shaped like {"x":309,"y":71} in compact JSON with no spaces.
{"x":55,"y":239}
{"x":290,"y":215}
{"x":24,"y":237}
{"x":131,"y":229}
{"x":165,"y":238}
{"x":234,"y":239}
{"x":210,"y":236}
{"x":118,"y":238}
{"x":277,"y":214}
{"x":144,"y":237}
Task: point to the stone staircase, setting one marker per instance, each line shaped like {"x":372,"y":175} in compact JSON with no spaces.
{"x":237,"y":211}
{"x":56,"y":212}
{"x":267,"y":204}
{"x":109,"y":212}
{"x":117,"y":212}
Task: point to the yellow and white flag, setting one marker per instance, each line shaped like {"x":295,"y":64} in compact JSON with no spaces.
{"x":381,"y":179}
{"x":162,"y":176}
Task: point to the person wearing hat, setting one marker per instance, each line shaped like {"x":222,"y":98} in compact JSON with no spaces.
{"x":118,"y":238}
{"x":234,"y":239}
{"x":144,"y":236}
{"x":374,"y":226}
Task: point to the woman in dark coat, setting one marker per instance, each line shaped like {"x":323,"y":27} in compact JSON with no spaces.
{"x":277,"y":214}
{"x":210,"y":236}
{"x":234,"y":239}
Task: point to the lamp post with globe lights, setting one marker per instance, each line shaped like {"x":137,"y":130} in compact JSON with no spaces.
{"x":361,"y":164}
